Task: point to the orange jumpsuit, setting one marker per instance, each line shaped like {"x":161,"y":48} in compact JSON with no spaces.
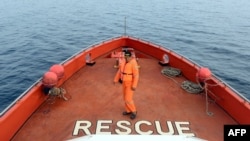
{"x":129,"y":74}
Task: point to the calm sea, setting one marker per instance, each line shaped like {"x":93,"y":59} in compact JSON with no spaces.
{"x":37,"y":34}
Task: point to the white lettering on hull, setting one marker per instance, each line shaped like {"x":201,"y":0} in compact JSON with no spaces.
{"x":82,"y":125}
{"x":138,"y":129}
{"x":121,"y":125}
{"x":181,"y":128}
{"x":159,"y":129}
{"x":124,"y":127}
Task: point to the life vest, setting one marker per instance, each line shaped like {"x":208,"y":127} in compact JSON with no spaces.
{"x":128,"y":71}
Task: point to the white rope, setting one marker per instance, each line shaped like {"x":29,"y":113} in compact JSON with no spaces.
{"x":207,"y":111}
{"x":169,"y":73}
{"x":206,"y":94}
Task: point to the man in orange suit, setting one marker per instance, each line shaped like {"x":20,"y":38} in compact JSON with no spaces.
{"x":128,"y":72}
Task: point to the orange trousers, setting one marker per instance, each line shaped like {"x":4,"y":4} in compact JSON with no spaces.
{"x":128,"y":94}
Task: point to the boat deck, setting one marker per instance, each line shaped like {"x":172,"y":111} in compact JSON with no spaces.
{"x":96,"y":103}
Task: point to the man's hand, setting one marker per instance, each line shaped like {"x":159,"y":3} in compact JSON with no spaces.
{"x":133,"y":88}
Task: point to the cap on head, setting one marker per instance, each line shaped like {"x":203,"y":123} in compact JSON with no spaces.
{"x":127,"y":53}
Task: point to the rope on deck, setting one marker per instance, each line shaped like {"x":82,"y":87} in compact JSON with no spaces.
{"x":170,"y":71}
{"x":191,"y":87}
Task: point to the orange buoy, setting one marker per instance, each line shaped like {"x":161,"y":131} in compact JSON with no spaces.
{"x":49,"y":79}
{"x":58,"y":70}
{"x":204,"y":73}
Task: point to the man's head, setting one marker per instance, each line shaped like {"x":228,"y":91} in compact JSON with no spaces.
{"x":127,"y":55}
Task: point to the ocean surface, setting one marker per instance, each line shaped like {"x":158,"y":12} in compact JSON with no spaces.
{"x":37,"y":34}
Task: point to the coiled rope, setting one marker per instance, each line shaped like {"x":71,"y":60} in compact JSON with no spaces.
{"x":170,"y":71}
{"x":190,"y":87}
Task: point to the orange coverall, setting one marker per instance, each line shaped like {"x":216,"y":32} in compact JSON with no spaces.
{"x":129,"y":73}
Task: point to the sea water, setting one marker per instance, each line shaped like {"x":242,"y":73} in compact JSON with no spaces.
{"x":37,"y":34}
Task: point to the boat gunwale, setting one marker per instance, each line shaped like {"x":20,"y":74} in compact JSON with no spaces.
{"x":191,"y":61}
{"x":94,"y":45}
{"x":62,"y":63}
